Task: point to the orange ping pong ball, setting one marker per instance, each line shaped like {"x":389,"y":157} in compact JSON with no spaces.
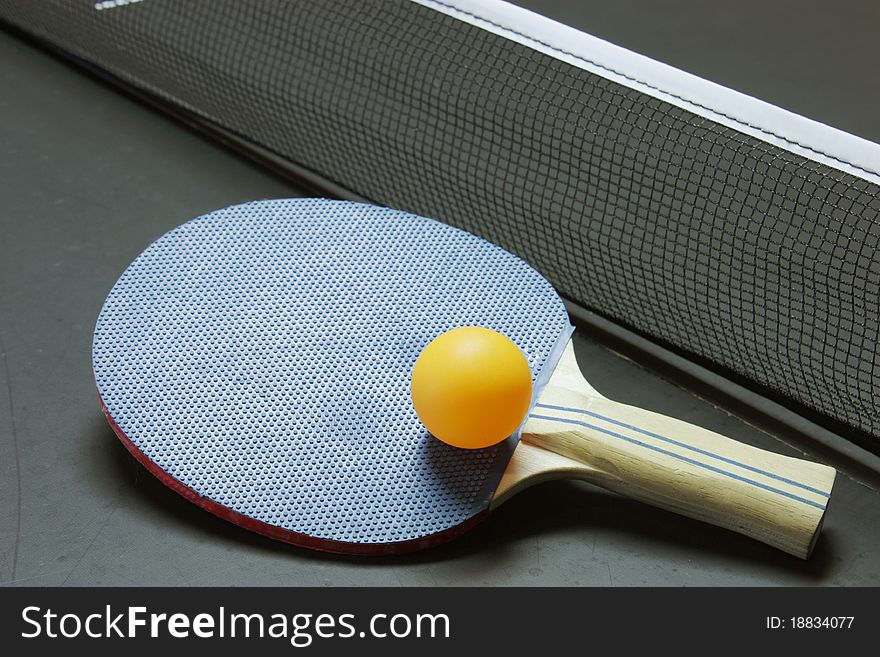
{"x":471,"y":387}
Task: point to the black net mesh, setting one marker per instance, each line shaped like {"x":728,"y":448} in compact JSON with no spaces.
{"x":716,"y":243}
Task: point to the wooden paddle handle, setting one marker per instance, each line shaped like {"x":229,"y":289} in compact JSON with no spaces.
{"x":684,"y":468}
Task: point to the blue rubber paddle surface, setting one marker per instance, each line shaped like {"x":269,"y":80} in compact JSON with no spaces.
{"x":261,"y":356}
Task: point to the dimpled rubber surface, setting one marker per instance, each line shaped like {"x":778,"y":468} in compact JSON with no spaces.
{"x":261,"y":356}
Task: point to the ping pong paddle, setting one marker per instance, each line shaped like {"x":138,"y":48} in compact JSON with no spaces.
{"x":257,"y":360}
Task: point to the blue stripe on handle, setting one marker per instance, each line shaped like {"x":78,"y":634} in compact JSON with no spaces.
{"x":682,"y":458}
{"x":686,"y":446}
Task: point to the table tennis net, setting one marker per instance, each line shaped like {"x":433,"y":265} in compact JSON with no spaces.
{"x":713,"y":242}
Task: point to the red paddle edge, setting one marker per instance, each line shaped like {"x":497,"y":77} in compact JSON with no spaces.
{"x":285,"y":535}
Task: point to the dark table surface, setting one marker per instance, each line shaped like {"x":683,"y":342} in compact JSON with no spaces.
{"x":88,"y":177}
